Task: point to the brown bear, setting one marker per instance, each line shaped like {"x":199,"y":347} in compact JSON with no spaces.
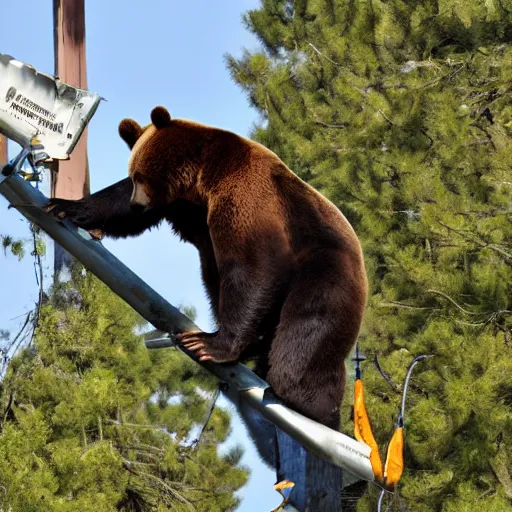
{"x":282,"y":267}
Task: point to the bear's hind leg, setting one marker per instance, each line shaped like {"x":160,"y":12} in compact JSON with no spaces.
{"x":318,"y":327}
{"x":308,"y":383}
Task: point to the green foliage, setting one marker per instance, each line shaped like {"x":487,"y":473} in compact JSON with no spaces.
{"x":17,"y":246}
{"x":92,"y":421}
{"x":399,"y":112}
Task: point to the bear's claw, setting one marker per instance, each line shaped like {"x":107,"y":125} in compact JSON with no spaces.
{"x":206,"y":346}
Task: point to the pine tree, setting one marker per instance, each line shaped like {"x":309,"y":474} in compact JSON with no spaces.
{"x":92,"y":421}
{"x":400,"y":113}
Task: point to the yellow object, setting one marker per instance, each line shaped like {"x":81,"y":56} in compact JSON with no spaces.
{"x":395,"y":459}
{"x":284,"y":484}
{"x":363,"y":430}
{"x":284,"y":488}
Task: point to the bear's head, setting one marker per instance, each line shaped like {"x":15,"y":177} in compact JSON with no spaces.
{"x":164,"y":158}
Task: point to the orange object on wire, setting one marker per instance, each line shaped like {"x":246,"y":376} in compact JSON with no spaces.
{"x":395,"y":459}
{"x":394,"y":466}
{"x":363,"y":430}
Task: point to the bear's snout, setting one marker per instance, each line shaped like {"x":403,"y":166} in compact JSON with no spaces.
{"x":139,"y":196}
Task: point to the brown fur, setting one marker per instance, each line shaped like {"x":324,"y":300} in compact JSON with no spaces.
{"x":281,"y":265}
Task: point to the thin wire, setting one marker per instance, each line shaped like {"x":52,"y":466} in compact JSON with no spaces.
{"x":401,"y":414}
{"x":381,"y":499}
{"x":416,"y":360}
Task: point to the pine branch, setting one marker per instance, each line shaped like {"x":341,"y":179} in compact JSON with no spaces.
{"x":129,"y":462}
{"x":137,"y":425}
{"x":142,"y":447}
{"x":200,"y":465}
{"x":392,"y":304}
{"x":381,"y":112}
{"x":172,"y":492}
{"x":8,"y":408}
{"x":13,"y":346}
{"x":480,"y":243}
{"x":324,"y":56}
{"x":327,"y":125}
{"x":100,"y":428}
{"x":458,"y":306}
{"x":500,"y":467}
{"x":394,"y":386}
{"x":487,"y":134}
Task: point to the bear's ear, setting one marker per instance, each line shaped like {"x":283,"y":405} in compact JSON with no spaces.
{"x":130,"y":131}
{"x":160,"y":117}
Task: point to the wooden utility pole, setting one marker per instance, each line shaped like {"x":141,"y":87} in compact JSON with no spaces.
{"x":3,"y":151}
{"x":70,"y":179}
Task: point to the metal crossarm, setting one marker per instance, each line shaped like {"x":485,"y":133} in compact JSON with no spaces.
{"x":327,"y":444}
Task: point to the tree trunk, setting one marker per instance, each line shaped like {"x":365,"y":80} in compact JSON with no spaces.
{"x":70,"y":179}
{"x":3,"y":151}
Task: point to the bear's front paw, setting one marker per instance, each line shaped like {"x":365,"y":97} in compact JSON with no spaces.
{"x":77,"y":212}
{"x":66,"y":209}
{"x":208,"y":346}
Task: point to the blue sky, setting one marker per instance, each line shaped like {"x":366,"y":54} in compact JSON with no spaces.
{"x":141,"y":54}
